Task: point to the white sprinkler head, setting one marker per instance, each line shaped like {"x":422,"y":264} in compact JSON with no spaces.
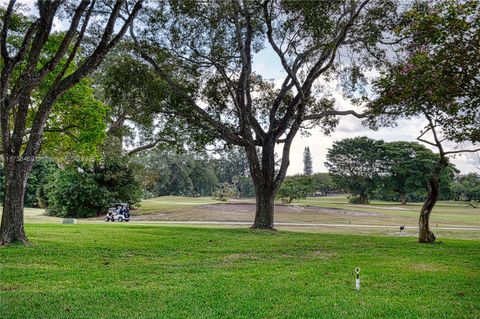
{"x":357,"y":279}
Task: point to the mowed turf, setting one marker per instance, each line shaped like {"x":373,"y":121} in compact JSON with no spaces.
{"x":133,"y":271}
{"x":172,"y":203}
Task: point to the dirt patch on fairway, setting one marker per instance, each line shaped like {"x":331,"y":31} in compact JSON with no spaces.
{"x":250,"y":208}
{"x":238,"y":211}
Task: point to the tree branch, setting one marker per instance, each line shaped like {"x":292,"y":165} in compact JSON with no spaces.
{"x":3,"y":37}
{"x":148,"y":146}
{"x":219,"y":126}
{"x":331,"y":113}
{"x":62,"y":49}
{"x":475,"y":150}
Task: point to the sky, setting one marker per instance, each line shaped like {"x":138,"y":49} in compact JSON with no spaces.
{"x":268,"y":65}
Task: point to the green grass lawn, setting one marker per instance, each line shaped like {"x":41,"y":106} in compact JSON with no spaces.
{"x":134,"y":271}
{"x":445,"y":213}
{"x":172,"y":203}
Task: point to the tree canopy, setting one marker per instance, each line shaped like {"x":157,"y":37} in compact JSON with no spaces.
{"x":436,"y":76}
{"x":208,"y":47}
{"x":356,"y":165}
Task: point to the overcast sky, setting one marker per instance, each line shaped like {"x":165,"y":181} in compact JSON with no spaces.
{"x":267,"y":64}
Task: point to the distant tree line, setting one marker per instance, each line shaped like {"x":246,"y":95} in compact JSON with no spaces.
{"x":193,"y":173}
{"x":371,"y":169}
{"x":363,"y":167}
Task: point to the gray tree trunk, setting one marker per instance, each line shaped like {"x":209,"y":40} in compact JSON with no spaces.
{"x":12,"y":227}
{"x":265,"y":185}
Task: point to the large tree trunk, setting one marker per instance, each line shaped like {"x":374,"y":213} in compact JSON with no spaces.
{"x":16,"y":175}
{"x":265,"y":209}
{"x":425,"y":235}
{"x":403,"y":199}
{"x":263,"y":177}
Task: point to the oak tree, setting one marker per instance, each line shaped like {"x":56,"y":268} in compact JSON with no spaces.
{"x":210,"y":46}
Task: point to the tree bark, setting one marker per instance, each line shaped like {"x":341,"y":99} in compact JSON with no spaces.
{"x":265,"y":209}
{"x":12,"y":227}
{"x":263,"y":177}
{"x":425,"y":235}
{"x":403,"y":199}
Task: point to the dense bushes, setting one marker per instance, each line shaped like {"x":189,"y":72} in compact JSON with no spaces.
{"x":75,"y":194}
{"x":86,"y":191}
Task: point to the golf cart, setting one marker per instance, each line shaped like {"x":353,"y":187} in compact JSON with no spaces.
{"x":118,"y":212}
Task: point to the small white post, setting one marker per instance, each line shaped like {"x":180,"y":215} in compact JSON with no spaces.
{"x":357,"y":280}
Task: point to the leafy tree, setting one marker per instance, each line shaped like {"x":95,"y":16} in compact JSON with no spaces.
{"x":231,"y":164}
{"x":324,"y":183}
{"x":307,"y":162}
{"x":203,"y":177}
{"x":245,"y":186}
{"x":85,"y":190}
{"x":296,"y":187}
{"x":409,"y":165}
{"x":232,"y":167}
{"x":136,"y":97}
{"x":25,"y":102}
{"x":356,"y":165}
{"x":436,"y":77}
{"x":467,"y":187}
{"x":166,"y":172}
{"x":210,"y":46}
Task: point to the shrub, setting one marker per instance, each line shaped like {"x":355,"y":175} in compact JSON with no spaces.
{"x":356,"y":200}
{"x":86,"y":191}
{"x":225,"y":191}
{"x":75,"y":194}
{"x":296,"y":187}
